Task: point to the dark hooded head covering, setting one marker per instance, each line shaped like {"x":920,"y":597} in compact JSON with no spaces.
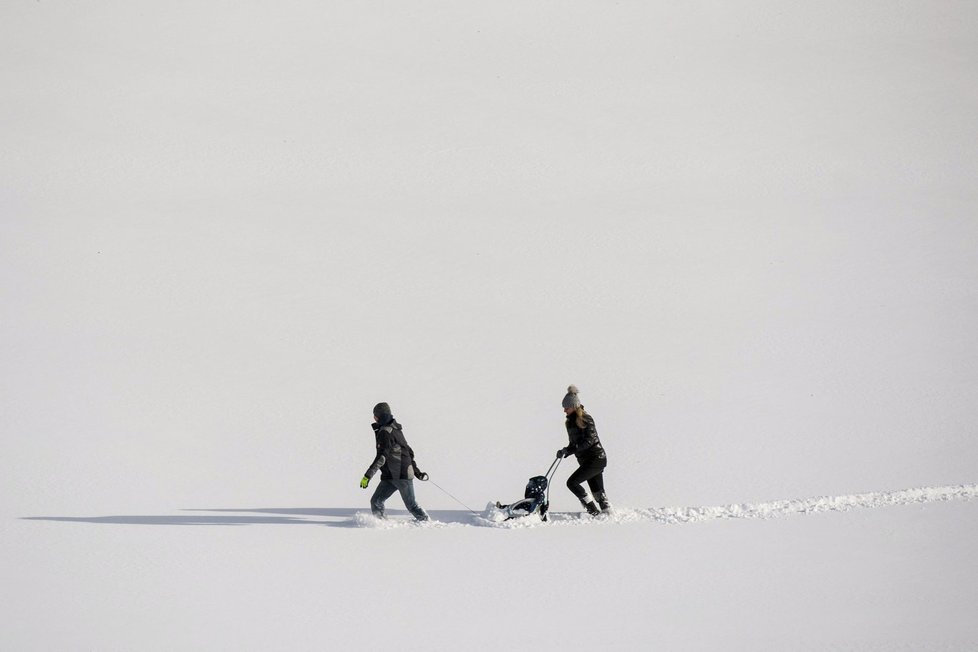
{"x":382,"y":412}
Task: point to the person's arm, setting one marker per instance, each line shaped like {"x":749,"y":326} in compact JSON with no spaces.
{"x":418,"y":473}
{"x":383,"y":448}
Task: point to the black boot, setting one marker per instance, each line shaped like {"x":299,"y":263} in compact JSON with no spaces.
{"x":602,"y":499}
{"x":591,"y":508}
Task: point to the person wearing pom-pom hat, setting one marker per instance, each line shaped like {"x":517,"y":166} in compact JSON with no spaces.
{"x":585,"y":445}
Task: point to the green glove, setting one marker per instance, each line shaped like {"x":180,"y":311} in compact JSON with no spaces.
{"x":364,"y":482}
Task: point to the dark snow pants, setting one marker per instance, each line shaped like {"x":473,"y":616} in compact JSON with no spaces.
{"x":386,"y":489}
{"x":591,"y":472}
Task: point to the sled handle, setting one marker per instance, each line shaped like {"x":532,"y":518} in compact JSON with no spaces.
{"x":553,"y":464}
{"x":553,"y":467}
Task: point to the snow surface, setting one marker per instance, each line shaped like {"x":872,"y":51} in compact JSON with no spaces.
{"x":746,"y":231}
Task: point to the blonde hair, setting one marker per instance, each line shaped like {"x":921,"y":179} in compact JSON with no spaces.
{"x":580,"y":416}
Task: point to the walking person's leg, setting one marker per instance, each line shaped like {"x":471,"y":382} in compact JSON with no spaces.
{"x":384,"y":490}
{"x":406,"y":487}
{"x":584,"y":473}
{"x":596,"y":484}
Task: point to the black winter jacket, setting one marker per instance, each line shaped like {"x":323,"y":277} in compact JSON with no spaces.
{"x":584,"y":442}
{"x":395,"y":459}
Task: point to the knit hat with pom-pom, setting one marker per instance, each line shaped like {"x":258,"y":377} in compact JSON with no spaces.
{"x":571,"y":400}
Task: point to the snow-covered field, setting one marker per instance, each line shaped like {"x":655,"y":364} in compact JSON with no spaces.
{"x":746,"y":230}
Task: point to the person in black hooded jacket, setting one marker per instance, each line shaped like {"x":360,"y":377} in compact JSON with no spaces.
{"x":395,"y":461}
{"x":583,"y":443}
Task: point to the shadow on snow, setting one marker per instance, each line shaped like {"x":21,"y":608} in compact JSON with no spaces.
{"x":342,"y":517}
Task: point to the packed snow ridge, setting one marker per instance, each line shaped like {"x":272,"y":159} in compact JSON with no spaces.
{"x":811,"y":505}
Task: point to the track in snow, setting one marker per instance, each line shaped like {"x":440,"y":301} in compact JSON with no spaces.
{"x":775,"y":509}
